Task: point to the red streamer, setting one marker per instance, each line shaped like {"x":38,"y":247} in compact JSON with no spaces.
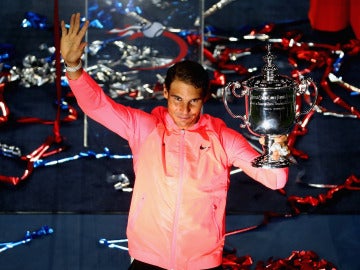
{"x":307,"y":260}
{"x":3,"y":107}
{"x":58,"y":71}
{"x":72,"y":115}
{"x":302,"y":260}
{"x":351,"y":183}
{"x":41,"y":151}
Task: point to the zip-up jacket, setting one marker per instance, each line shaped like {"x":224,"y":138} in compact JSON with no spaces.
{"x":177,"y":213}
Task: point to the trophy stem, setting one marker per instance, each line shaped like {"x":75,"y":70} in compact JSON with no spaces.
{"x":266,"y":160}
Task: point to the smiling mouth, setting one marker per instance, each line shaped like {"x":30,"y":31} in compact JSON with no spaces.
{"x":184,"y":117}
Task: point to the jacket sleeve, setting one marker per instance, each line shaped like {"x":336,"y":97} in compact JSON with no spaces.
{"x":118,"y":118}
{"x":241,"y":153}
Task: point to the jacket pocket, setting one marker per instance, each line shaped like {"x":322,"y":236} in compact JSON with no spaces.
{"x":136,"y":211}
{"x":216,"y":222}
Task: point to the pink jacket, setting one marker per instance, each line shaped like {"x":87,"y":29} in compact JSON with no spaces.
{"x":177,"y":212}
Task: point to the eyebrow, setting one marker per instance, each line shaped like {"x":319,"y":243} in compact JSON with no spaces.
{"x":176,"y":96}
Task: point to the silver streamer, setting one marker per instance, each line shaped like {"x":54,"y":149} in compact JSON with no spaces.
{"x":214,"y":8}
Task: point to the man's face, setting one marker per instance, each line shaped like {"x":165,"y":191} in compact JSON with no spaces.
{"x":184,"y":103}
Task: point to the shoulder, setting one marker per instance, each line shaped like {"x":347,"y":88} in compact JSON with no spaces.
{"x":159,"y":113}
{"x":212,"y":123}
{"x":219,"y":126}
{"x":228,"y":136}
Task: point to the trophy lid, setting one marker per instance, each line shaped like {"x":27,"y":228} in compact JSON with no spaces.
{"x":270,"y":77}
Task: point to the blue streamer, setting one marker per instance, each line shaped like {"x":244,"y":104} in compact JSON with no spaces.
{"x":29,"y":236}
{"x":35,"y":20}
{"x":88,"y":154}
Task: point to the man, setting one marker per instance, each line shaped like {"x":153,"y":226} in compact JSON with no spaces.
{"x":181,"y":160}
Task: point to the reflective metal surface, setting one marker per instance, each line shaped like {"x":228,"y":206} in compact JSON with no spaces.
{"x":270,"y":109}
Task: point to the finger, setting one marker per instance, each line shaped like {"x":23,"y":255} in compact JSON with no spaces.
{"x":262,"y":140}
{"x":63,"y":29}
{"x":281,"y":139}
{"x":84,"y":29}
{"x":72,"y":22}
{"x":276,"y":156}
{"x":76,"y":23}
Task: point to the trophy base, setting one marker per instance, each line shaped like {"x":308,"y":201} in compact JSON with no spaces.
{"x":265,"y":161}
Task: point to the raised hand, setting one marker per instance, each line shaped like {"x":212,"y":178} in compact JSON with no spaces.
{"x":72,"y":45}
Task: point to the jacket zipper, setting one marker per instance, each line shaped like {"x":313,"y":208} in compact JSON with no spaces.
{"x":178,"y":201}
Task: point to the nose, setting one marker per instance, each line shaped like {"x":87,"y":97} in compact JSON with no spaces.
{"x":184,"y":108}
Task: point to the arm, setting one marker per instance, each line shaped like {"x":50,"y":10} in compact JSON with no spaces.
{"x":241,"y":153}
{"x":124,"y":121}
{"x":90,"y":97}
{"x":131,"y":124}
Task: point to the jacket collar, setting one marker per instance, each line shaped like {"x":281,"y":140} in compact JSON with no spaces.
{"x":171,"y":126}
{"x":163,"y":116}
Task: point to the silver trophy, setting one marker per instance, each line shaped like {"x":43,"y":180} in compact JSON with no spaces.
{"x":270,"y":109}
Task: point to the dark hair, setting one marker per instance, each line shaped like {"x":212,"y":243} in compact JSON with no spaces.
{"x":190,"y":72}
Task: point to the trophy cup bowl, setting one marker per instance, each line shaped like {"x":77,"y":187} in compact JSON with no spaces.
{"x":270,"y":109}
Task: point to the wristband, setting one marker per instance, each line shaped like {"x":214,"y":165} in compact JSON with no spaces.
{"x":73,"y":69}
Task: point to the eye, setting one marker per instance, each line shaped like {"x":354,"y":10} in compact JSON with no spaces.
{"x":195,"y":101}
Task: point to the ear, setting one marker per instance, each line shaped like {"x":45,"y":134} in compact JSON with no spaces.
{"x":165,"y":93}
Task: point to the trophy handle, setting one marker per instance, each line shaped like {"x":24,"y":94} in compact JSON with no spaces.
{"x":303,"y":88}
{"x":231,"y":87}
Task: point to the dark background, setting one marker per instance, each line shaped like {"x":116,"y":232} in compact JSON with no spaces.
{"x":83,"y":185}
{"x":78,"y":200}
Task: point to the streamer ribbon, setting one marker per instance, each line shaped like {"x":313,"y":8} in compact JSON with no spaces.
{"x":29,"y":236}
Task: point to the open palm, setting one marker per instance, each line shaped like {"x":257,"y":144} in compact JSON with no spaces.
{"x":72,"y":45}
